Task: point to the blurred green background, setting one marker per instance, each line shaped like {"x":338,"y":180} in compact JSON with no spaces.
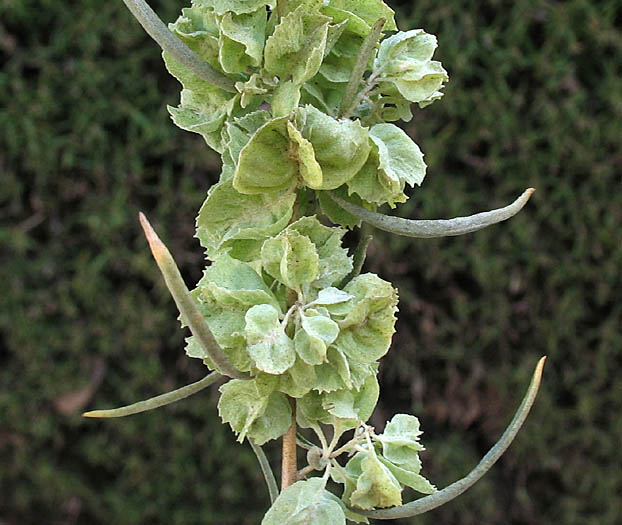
{"x":85,"y":321}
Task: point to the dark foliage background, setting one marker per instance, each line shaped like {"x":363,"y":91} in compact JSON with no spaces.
{"x":85,"y":321}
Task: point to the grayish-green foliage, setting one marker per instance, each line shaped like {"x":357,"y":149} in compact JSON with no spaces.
{"x":123,"y":154}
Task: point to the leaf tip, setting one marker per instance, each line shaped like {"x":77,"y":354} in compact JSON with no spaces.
{"x":155,"y":244}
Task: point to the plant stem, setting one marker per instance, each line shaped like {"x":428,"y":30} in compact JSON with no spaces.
{"x":172,"y":45}
{"x":281,"y":8}
{"x":350,"y":100}
{"x":289,"y":465}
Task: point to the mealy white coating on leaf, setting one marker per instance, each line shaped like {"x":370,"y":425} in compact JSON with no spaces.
{"x":306,"y":503}
{"x":264,"y":164}
{"x":309,"y":169}
{"x":242,"y":40}
{"x":376,"y":486}
{"x":228,"y":217}
{"x":269,"y":346}
{"x":361,"y":14}
{"x":332,"y":295}
{"x":237,"y":6}
{"x":405,"y":61}
{"x":291,"y":258}
{"x":436,"y":227}
{"x":341,"y":146}
{"x":296,"y":48}
{"x":400,"y":158}
{"x":409,"y":478}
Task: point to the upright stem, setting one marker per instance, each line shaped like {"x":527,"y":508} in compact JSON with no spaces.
{"x":281,"y":7}
{"x":289,"y":465}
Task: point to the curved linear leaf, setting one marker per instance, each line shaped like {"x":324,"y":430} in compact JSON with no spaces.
{"x":266,"y":469}
{"x":455,"y":489}
{"x":158,"y":401}
{"x":185,"y":302}
{"x":439,"y":227}
{"x":170,"y":43}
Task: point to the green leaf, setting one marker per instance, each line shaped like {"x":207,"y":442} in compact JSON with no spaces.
{"x":291,"y":258}
{"x":332,"y":296}
{"x":296,"y":48}
{"x":269,"y":346}
{"x":264,"y":164}
{"x":376,"y":486}
{"x":299,"y":380}
{"x":226,"y":291}
{"x":237,"y":6}
{"x":360,"y":14}
{"x":405,"y":60}
{"x":395,"y":161}
{"x":422,"y":84}
{"x":310,"y":411}
{"x":341,"y":146}
{"x":401,"y":160}
{"x":253,"y":91}
{"x":316,"y":334}
{"x":306,"y":503}
{"x":310,"y":170}
{"x":334,"y":261}
{"x":357,"y":405}
{"x":409,"y":478}
{"x":253,"y":408}
{"x":242,"y":40}
{"x":285,"y":98}
{"x":366,"y":331}
{"x":274,"y":422}
{"x":203,"y":107}
{"x":335,"y":212}
{"x":198,"y":28}
{"x":338,"y":64}
{"x":405,"y":50}
{"x":240,"y":222}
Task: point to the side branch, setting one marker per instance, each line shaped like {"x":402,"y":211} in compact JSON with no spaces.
{"x":439,"y":227}
{"x":172,"y":45}
{"x":455,"y":489}
{"x":158,"y":401}
{"x":185,"y":302}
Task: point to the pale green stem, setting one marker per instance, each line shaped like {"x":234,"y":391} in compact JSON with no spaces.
{"x":454,"y":490}
{"x":273,"y":488}
{"x":281,"y":8}
{"x":350,"y":100}
{"x":438,"y":227}
{"x":302,"y":473}
{"x":172,"y":45}
{"x":303,"y":442}
{"x":185,"y":302}
{"x":158,"y":401}
{"x":360,"y":254}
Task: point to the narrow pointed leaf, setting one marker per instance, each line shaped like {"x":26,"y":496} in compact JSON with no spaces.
{"x":266,"y":469}
{"x":455,"y":489}
{"x":362,"y":61}
{"x":158,"y":401}
{"x":439,"y":227}
{"x":170,"y":43}
{"x":185,"y":302}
